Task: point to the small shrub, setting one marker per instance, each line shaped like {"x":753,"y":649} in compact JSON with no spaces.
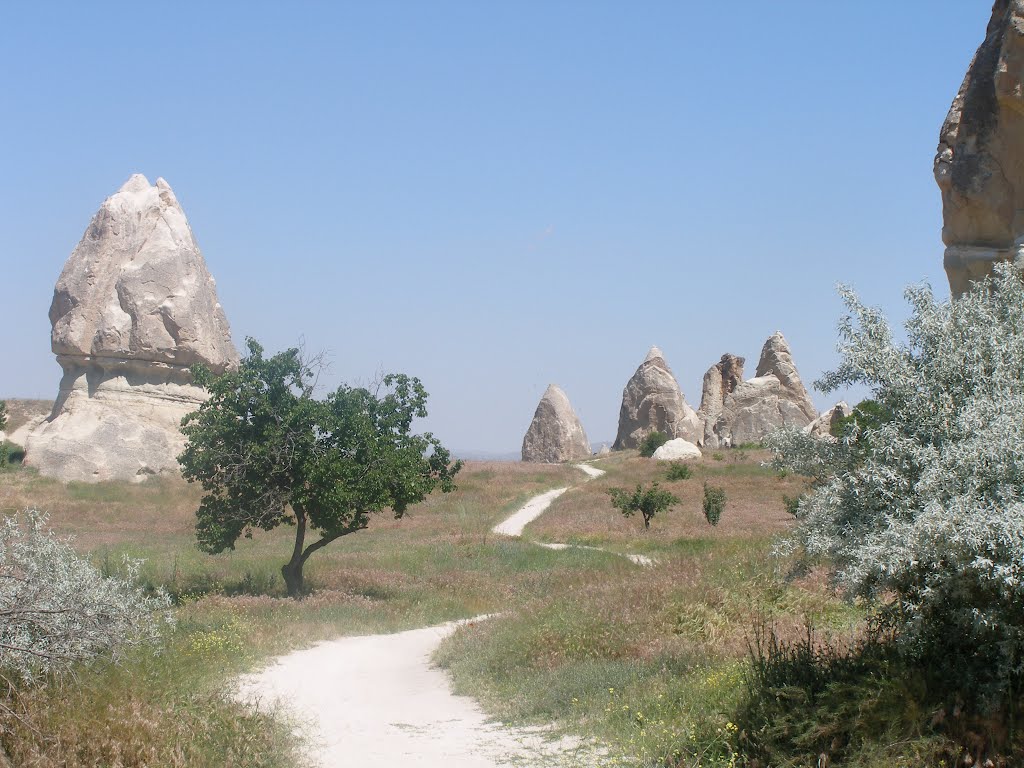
{"x":792,"y":504}
{"x":718,"y":456}
{"x":714,"y":503}
{"x":678,"y":471}
{"x":651,"y":443}
{"x":647,"y":501}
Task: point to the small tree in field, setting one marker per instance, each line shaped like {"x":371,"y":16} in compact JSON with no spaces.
{"x":3,"y":414}
{"x":267,"y":453}
{"x":714,"y":503}
{"x":922,"y":497}
{"x":647,"y":501}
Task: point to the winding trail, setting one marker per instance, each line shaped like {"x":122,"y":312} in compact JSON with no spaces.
{"x":535,"y":507}
{"x":378,"y":701}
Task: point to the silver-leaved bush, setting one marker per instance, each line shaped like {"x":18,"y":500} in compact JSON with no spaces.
{"x":57,"y":609}
{"x":924,"y":506}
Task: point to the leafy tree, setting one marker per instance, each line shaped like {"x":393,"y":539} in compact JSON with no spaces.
{"x":268,"y":453}
{"x":714,"y":503}
{"x":652,"y":442}
{"x":646,"y":501}
{"x":3,"y":414}
{"x":922,"y":500}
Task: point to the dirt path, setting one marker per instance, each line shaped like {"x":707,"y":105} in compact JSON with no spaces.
{"x":376,"y":701}
{"x":535,"y":507}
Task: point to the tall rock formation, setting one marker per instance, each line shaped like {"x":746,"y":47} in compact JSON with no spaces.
{"x":979,"y":165}
{"x":774,"y":398}
{"x":653,"y":402}
{"x":555,"y":434}
{"x":133,"y":308}
{"x":720,"y":381}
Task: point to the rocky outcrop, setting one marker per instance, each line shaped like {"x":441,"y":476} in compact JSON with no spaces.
{"x":821,"y":427}
{"x":720,"y":381}
{"x":555,"y":434}
{"x":604,"y":450}
{"x":979,"y":165}
{"x":774,"y":398}
{"x":677,"y":449}
{"x":653,"y":402}
{"x":133,"y":308}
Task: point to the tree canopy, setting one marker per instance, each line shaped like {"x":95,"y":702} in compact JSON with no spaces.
{"x":267,"y":453}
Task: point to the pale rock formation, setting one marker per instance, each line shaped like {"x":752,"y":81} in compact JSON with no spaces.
{"x":133,"y":308}
{"x":604,"y":450}
{"x":979,"y":164}
{"x":653,"y":402}
{"x":555,"y":434}
{"x":20,"y":436}
{"x":774,"y":398}
{"x":720,"y":381}
{"x":677,"y":449}
{"x":821,"y":427}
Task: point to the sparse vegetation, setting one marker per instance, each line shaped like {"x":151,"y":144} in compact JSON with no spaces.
{"x":652,"y":442}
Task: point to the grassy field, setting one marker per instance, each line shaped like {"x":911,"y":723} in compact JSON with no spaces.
{"x":648,"y":661}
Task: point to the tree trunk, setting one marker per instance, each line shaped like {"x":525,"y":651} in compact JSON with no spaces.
{"x":292,"y":572}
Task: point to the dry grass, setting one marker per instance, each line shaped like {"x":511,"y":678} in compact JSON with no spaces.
{"x":754,"y":506}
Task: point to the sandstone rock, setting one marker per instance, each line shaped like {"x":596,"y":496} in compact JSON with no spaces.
{"x":822,"y":426}
{"x":979,"y":164}
{"x":555,"y":434}
{"x":133,"y":308}
{"x":777,"y":360}
{"x":20,"y":436}
{"x":774,"y":398}
{"x":653,"y":402}
{"x":604,"y":450}
{"x":677,"y":449}
{"x":720,"y":381}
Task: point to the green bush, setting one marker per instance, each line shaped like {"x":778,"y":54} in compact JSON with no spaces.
{"x":678,"y":471}
{"x":792,"y":504}
{"x":714,"y":503}
{"x":651,"y":443}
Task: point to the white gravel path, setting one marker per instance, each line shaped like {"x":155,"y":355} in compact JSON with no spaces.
{"x":529,"y":512}
{"x":535,"y":507}
{"x":376,"y":701}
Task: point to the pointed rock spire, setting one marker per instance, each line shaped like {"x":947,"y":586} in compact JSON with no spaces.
{"x":133,"y":309}
{"x":555,"y":434}
{"x":653,"y":402}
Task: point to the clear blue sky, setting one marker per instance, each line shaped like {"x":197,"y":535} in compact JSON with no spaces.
{"x":492,"y":196}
